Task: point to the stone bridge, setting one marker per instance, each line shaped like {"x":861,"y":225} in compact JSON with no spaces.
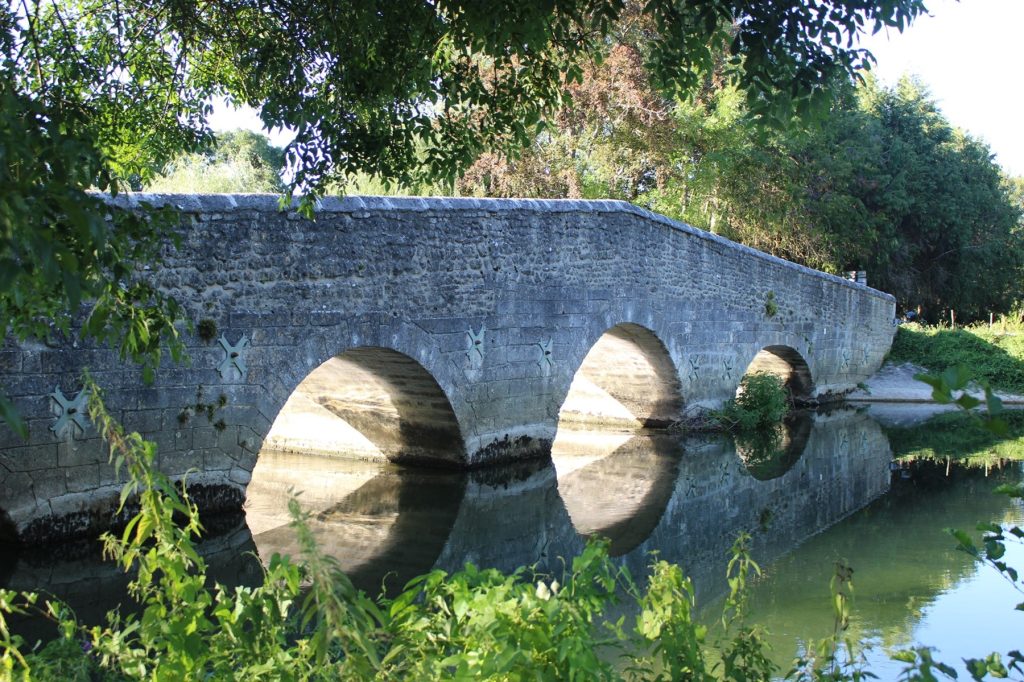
{"x":452,"y":332}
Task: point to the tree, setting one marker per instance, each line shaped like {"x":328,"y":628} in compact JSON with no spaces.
{"x":612,"y":141}
{"x":102,"y":94}
{"x":241,"y":161}
{"x":879,"y":182}
{"x":461,"y":76}
{"x":947,"y":239}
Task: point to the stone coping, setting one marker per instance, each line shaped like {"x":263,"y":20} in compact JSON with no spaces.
{"x":226,"y":203}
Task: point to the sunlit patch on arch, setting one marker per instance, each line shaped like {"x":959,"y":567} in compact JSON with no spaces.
{"x":370,"y":403}
{"x":787,"y":364}
{"x":770,"y":454}
{"x":626,"y":380}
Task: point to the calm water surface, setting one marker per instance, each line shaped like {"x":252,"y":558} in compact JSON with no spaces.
{"x":828,"y":490}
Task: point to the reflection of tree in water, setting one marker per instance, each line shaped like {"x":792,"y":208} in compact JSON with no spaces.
{"x":955,"y":436}
{"x":769,"y":453}
{"x":623,"y":496}
{"x":394,"y":527}
{"x":901,"y":553}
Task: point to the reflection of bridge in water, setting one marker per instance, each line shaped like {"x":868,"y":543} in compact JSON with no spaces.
{"x":687,"y":498}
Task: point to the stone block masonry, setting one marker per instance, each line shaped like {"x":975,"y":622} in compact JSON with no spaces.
{"x":455,"y":329}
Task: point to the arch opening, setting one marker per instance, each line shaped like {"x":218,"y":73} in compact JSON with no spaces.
{"x":627,"y":380}
{"x":370,"y":403}
{"x":787,"y":364}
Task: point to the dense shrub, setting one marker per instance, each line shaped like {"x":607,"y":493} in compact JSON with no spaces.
{"x":760,"y":403}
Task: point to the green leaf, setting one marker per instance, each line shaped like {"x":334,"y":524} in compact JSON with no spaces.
{"x":9,"y":415}
{"x":994,"y":550}
{"x":940,"y":389}
{"x":967,"y":401}
{"x":956,"y":378}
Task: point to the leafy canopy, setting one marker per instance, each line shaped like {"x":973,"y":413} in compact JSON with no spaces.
{"x":102,"y":95}
{"x":460,"y":75}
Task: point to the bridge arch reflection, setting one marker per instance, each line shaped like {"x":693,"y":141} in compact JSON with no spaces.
{"x":685,"y":496}
{"x":383,"y":526}
{"x":614,"y":485}
{"x":772,"y":453}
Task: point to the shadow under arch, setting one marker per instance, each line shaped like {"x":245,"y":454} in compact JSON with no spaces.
{"x":621,"y":496}
{"x":770,"y":454}
{"x":392,"y":528}
{"x":787,"y":364}
{"x":370,"y":402}
{"x":626,"y":380}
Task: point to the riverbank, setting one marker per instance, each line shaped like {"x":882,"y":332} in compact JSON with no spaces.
{"x":895,"y":383}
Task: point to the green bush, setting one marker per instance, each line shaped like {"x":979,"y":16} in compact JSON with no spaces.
{"x":760,"y":403}
{"x":992,"y":354}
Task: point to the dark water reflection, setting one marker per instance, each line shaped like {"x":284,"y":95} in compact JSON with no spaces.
{"x":685,"y":497}
{"x":91,"y":586}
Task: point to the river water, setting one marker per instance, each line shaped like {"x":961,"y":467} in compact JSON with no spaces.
{"x":831,"y":488}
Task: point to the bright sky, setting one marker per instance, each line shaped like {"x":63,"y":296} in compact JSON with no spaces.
{"x":225,"y":118}
{"x":968,"y":53}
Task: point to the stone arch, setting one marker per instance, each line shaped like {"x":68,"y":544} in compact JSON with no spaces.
{"x":787,"y":364}
{"x":370,"y":402}
{"x":627,"y":379}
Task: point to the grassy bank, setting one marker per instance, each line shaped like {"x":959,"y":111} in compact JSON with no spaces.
{"x":996,"y":354}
